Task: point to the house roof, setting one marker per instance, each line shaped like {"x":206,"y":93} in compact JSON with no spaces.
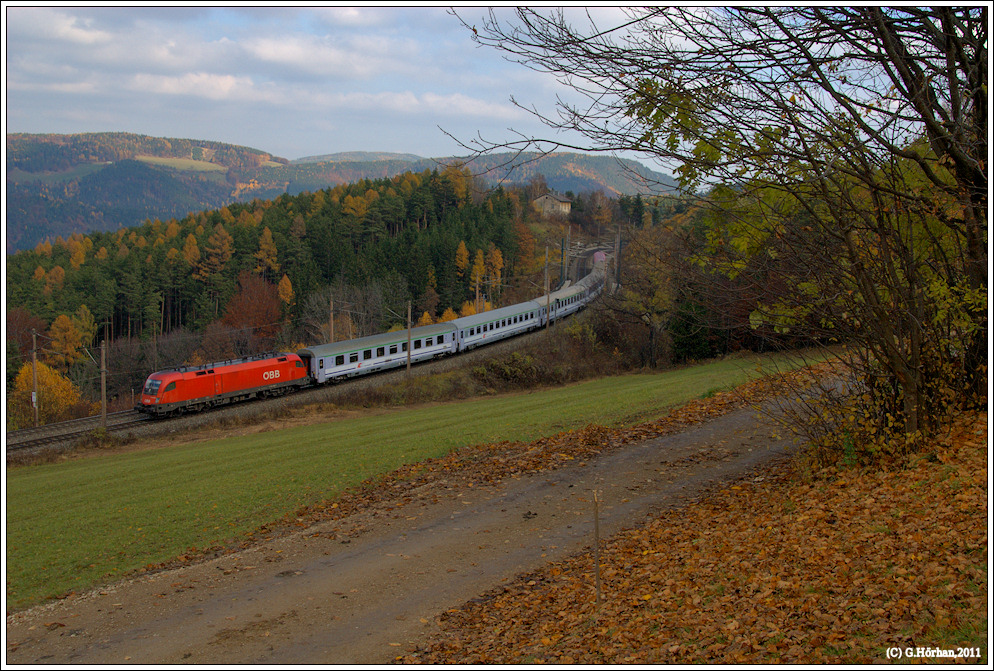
{"x":555,"y":196}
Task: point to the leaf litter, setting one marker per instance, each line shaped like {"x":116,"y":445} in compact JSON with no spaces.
{"x":835,"y":566}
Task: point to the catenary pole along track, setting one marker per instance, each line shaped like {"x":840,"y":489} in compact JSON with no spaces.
{"x":130,"y":423}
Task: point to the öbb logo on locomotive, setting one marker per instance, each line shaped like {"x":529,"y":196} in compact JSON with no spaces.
{"x":193,"y":388}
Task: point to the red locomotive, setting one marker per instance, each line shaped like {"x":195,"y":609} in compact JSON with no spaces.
{"x":193,"y":388}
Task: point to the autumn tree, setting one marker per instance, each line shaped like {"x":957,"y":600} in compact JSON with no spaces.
{"x":212,"y":263}
{"x":494,"y":268}
{"x":253,"y":314}
{"x":85,"y":323}
{"x":850,"y":140}
{"x":462,"y":259}
{"x":20,"y":324}
{"x":65,"y":343}
{"x":215,"y":256}
{"x":191,"y":251}
{"x":57,"y":397}
{"x":478,"y":271}
{"x":285,"y":291}
{"x":266,"y":260}
{"x":644,"y":306}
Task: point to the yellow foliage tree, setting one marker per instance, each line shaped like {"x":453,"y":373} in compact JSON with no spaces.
{"x":191,"y":252}
{"x":462,"y":259}
{"x":479,"y":268}
{"x":85,"y":323}
{"x":54,"y":280}
{"x":495,"y":268}
{"x":56,"y":397}
{"x":425,"y":320}
{"x":216,"y":255}
{"x":65,"y":344}
{"x":285,"y":290}
{"x":77,"y":253}
{"x":266,"y":256}
{"x":448,"y":315}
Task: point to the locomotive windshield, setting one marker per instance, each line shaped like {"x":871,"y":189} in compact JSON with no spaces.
{"x":152,"y":387}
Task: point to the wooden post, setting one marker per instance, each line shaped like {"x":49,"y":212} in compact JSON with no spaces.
{"x":597,"y":548}
{"x":103,"y":384}
{"x":331,"y":320}
{"x":34,"y":373}
{"x":408,"y":337}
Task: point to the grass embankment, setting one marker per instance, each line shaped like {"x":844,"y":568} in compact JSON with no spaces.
{"x":74,"y":524}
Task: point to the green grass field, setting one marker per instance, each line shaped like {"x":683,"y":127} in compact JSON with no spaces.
{"x":183,"y":164}
{"x":74,"y":524}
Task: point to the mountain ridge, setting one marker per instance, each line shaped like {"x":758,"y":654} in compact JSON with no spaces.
{"x":60,"y":184}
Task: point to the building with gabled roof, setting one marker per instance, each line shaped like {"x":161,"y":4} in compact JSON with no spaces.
{"x":552,"y":204}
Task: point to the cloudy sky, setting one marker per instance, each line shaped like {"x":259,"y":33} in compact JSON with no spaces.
{"x":294,"y":81}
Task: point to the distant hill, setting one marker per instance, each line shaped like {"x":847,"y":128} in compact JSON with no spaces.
{"x":61,"y":184}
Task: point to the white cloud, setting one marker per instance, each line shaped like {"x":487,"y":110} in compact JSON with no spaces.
{"x":198,"y":84}
{"x":45,"y":23}
{"x":265,"y":77}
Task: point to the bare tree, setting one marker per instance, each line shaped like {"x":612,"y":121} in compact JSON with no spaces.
{"x":846,"y":146}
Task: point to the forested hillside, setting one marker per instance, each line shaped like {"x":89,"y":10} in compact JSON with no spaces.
{"x":58,"y":185}
{"x":263,"y":273}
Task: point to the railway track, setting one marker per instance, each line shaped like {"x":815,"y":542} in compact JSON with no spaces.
{"x":63,"y":434}
{"x":49,"y":434}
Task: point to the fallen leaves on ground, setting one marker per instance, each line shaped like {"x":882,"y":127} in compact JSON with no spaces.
{"x":831,"y":568}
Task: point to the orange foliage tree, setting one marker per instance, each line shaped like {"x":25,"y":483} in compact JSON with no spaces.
{"x":254,"y":311}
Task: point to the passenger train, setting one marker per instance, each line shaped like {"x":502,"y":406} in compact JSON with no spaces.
{"x":194,"y":388}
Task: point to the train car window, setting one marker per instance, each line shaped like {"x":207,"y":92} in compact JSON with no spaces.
{"x":403,"y":347}
{"x":201,"y":372}
{"x":320,"y":363}
{"x":379,"y":351}
{"x":298,"y":364}
{"x":428,"y":342}
{"x":340,"y":360}
{"x":353,"y":357}
{"x":393,"y":349}
{"x":367,"y":355}
{"x":417,"y":344}
{"x":282,"y":358}
{"x":152,"y":387}
{"x":170,"y":387}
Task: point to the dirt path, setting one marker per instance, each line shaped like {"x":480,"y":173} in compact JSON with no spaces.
{"x":368,"y":588}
